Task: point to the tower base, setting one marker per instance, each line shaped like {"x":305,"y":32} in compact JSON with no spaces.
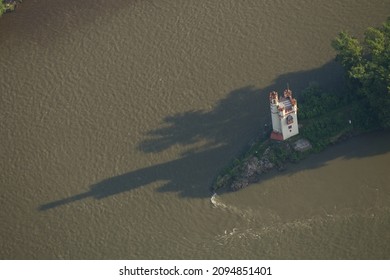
{"x":276,"y":136}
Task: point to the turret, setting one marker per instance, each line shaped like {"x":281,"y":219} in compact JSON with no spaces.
{"x":273,"y":97}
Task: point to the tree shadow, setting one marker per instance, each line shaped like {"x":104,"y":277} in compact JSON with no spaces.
{"x":223,"y":132}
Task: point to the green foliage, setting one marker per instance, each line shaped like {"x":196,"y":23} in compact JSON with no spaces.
{"x":329,"y":116}
{"x":324,"y":130}
{"x":281,"y":153}
{"x":8,"y":6}
{"x":367,"y":67}
{"x":349,"y":50}
{"x":315,"y":101}
{"x":2,"y":8}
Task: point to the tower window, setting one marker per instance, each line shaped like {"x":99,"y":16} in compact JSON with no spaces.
{"x":289,"y":119}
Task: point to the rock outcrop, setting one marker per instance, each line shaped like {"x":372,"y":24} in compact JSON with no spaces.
{"x":250,"y":169}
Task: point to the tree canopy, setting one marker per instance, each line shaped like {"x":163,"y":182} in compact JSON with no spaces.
{"x":367,"y":67}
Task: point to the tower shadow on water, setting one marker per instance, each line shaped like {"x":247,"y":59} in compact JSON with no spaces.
{"x":226,"y":130}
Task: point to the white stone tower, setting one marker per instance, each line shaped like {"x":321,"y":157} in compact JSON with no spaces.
{"x":284,"y":115}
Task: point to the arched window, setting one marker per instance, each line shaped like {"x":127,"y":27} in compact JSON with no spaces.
{"x":289,"y":119}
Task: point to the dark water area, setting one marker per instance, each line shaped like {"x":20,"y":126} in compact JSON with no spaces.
{"x":116,"y":118}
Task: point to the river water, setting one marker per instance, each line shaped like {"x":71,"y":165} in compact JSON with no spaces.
{"x":116,"y":116}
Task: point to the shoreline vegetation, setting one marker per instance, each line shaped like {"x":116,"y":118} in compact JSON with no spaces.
{"x":325,"y":117}
{"x":7,"y":6}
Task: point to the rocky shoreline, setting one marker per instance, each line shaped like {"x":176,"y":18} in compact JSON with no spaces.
{"x":252,"y":169}
{"x":263,"y":157}
{"x":267,"y":155}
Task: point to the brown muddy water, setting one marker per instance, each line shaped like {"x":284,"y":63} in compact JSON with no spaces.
{"x":116,"y":116}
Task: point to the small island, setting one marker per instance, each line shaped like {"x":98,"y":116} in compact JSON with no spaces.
{"x":325,"y":117}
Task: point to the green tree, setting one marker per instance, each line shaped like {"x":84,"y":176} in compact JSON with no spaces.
{"x":367,"y":67}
